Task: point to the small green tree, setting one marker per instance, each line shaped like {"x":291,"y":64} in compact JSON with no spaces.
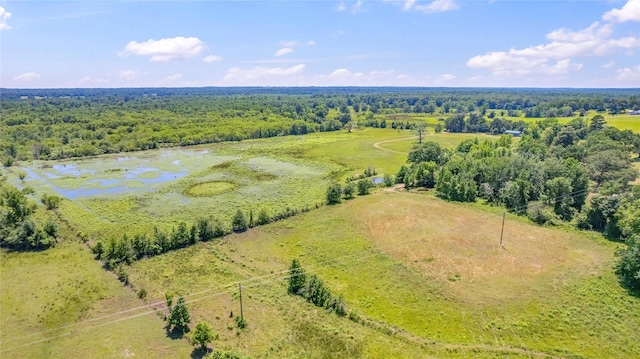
{"x":50,"y":201}
{"x":202,"y":335}
{"x":597,"y":123}
{"x":363,"y":187}
{"x":421,"y":131}
{"x":297,"y":277}
{"x":179,"y":317}
{"x":388,"y":180}
{"x":348,"y":190}
{"x":334,"y":192}
{"x":263,"y":217}
{"x":239,"y":222}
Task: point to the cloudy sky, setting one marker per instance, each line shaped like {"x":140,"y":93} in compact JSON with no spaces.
{"x":479,"y":43}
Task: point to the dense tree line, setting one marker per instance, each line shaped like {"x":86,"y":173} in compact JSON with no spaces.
{"x":119,"y":251}
{"x":127,"y":249}
{"x":62,"y":123}
{"x":548,"y":176}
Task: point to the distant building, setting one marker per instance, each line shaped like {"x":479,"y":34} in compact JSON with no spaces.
{"x":513,"y":132}
{"x":634,"y":112}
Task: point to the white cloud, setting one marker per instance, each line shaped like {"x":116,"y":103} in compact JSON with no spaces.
{"x":629,"y":74}
{"x":338,"y":33}
{"x":170,"y":49}
{"x":357,"y":7}
{"x":288,"y":43}
{"x":345,"y":77}
{"x":591,"y":33}
{"x":4,"y":15}
{"x":344,"y":74}
{"x":311,"y":43}
{"x":27,"y":77}
{"x":445,"y":77}
{"x":560,"y":68}
{"x":432,"y":7}
{"x":212,"y":58}
{"x":608,"y":65}
{"x":128,"y":74}
{"x":629,"y":12}
{"x":563,"y":46}
{"x":341,"y":7}
{"x":438,"y":6}
{"x":88,"y":80}
{"x":174,"y":77}
{"x":284,"y":51}
{"x":260,"y":73}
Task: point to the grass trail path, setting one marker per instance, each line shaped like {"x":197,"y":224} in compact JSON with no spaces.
{"x":377,"y":144}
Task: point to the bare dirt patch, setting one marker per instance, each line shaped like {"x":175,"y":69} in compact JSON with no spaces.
{"x":458,"y":246}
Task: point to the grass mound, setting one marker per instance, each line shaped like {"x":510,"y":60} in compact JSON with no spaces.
{"x":207,"y":189}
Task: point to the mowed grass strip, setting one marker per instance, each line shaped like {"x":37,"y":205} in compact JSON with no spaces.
{"x":430,"y":268}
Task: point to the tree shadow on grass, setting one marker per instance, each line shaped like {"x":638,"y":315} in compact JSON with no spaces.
{"x":174,"y":333}
{"x":198,"y":353}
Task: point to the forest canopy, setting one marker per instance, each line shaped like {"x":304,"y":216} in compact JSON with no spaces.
{"x":64,"y":123}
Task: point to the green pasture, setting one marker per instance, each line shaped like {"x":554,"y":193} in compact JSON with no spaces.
{"x":440,"y":283}
{"x":620,"y":121}
{"x":424,"y":284}
{"x":446,"y":140}
{"x":60,"y":303}
{"x":624,"y":122}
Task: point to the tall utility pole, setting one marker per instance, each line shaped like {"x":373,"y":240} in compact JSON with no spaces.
{"x":240,"y":286}
{"x":501,"y":233}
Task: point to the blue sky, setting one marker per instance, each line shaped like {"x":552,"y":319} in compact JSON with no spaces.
{"x":477,"y":43}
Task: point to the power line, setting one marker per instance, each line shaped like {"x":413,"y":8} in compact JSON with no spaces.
{"x":250,"y":282}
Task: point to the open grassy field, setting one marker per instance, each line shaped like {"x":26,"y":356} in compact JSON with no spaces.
{"x":437,"y":279}
{"x":60,"y":303}
{"x":621,"y":122}
{"x":426,"y":277}
{"x":446,"y":140}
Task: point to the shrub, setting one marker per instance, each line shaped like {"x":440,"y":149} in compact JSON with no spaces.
{"x":348,"y":190}
{"x":263,"y":217}
{"x":364,"y":186}
{"x":334,"y":192}
{"x":241,"y":323}
{"x":202,"y":335}
{"x":239,"y":222}
{"x":122,"y":274}
{"x":50,"y":201}
{"x":51,"y":229}
{"x":98,"y":250}
{"x":628,"y":268}
{"x":542,"y":214}
{"x":388,"y":180}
